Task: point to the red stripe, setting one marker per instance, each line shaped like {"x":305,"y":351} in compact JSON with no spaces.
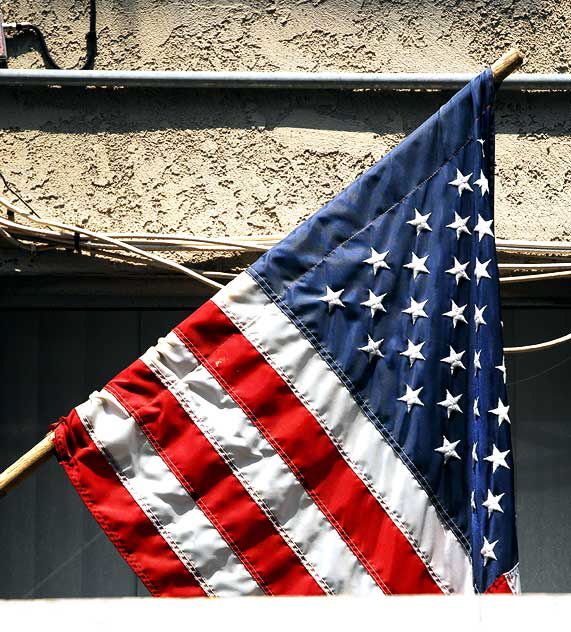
{"x":119,"y":515}
{"x":500,"y":586}
{"x":212,"y":484}
{"x":293,"y":432}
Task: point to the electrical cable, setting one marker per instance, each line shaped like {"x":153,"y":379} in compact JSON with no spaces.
{"x":10,"y":187}
{"x":101,"y":237}
{"x":541,"y":373}
{"x":49,"y":62}
{"x":544,"y":276}
{"x":109,"y":242}
{"x":540,"y":346}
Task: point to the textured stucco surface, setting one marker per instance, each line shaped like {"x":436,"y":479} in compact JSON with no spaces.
{"x":247,"y":162}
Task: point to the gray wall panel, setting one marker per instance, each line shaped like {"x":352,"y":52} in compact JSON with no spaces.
{"x":539,"y":385}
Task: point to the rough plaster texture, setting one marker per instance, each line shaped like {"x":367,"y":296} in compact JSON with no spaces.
{"x":247,"y":162}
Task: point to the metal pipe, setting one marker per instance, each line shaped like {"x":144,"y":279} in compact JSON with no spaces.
{"x":289,"y":80}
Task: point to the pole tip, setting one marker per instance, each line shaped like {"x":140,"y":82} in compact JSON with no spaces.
{"x":511,"y":60}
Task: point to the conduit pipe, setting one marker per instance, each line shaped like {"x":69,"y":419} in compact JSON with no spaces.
{"x":279,"y":80}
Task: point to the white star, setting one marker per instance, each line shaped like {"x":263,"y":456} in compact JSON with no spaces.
{"x":482,"y":182}
{"x":459,"y":270}
{"x":448,"y":449}
{"x":456,"y":313}
{"x":502,"y":412}
{"x":480,"y":270}
{"x":476,"y":409}
{"x":413,"y":352}
{"x":420,"y":221}
{"x":459,"y":225}
{"x":372,"y":348}
{"x":375,"y":303}
{"x":416,"y":310}
{"x":454,"y":360}
{"x":451,"y":403}
{"x":474,"y":452}
{"x":410,"y":398}
{"x":417,"y":265}
{"x":488,"y":551}
{"x":472,"y":501}
{"x":481,"y":141}
{"x":492,"y":503}
{"x":497,"y":458}
{"x":479,"y":316}
{"x":477,"y":365}
{"x":332,"y":298}
{"x":377,"y":260}
{"x":461,"y":182}
{"x":483,"y":227}
{"x":502,"y":368}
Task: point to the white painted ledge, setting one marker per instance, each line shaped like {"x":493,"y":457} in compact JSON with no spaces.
{"x":318,"y":614}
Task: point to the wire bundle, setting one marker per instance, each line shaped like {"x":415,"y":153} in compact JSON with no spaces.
{"x":57,"y":235}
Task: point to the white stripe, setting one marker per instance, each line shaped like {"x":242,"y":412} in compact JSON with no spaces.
{"x":167,"y":504}
{"x":362,"y":445}
{"x":512,"y":578}
{"x":260,"y":469}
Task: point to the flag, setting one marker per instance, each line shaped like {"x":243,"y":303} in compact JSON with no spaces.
{"x":334,"y":420}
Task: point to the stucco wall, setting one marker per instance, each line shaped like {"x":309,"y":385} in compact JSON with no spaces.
{"x":236,"y":162}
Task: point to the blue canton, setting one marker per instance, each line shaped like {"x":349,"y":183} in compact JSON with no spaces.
{"x":395,"y":283}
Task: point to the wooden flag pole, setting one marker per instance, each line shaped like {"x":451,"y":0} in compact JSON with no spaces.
{"x":506,"y":64}
{"x":26,"y":464}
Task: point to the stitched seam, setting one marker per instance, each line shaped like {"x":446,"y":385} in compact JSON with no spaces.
{"x":363,"y":405}
{"x":171,"y":385}
{"x":380,"y":216}
{"x":185,"y":401}
{"x":365,"y":478}
{"x":204,"y":508}
{"x":313,"y":494}
{"x":316,"y":498}
{"x":450,"y":522}
{"x":395,"y":204}
{"x":71,"y":468}
{"x":149,"y":511}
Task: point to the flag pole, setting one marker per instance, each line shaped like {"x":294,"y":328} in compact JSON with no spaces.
{"x":511,"y":60}
{"x":26,"y":464}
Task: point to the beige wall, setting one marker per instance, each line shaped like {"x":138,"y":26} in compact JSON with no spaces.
{"x":223,"y":162}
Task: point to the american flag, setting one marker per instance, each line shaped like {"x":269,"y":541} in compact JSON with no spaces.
{"x":335,"y":420}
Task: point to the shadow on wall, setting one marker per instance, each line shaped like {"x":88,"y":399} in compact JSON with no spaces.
{"x":117,"y":111}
